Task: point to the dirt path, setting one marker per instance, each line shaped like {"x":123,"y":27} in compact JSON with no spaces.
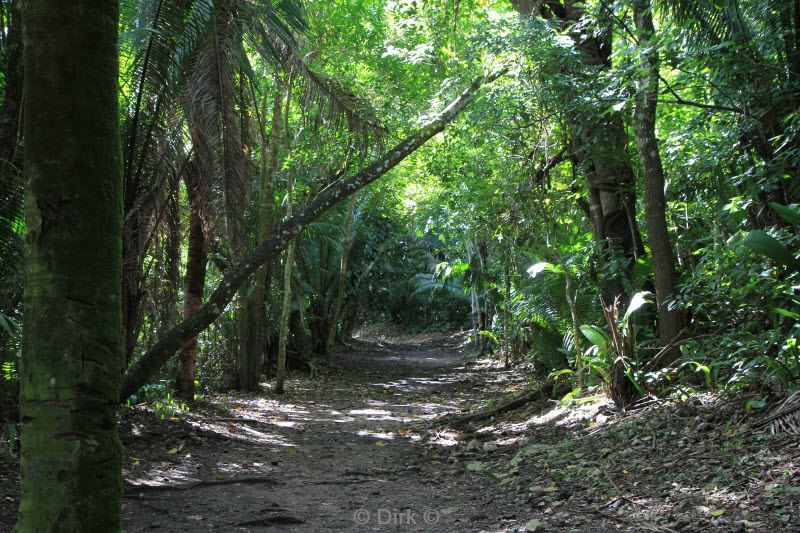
{"x":340,"y":453}
{"x":360,"y":449}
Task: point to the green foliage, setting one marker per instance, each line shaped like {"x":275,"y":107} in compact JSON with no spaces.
{"x":159,"y":396}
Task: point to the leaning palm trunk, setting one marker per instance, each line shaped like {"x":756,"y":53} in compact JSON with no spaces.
{"x":283,"y":328}
{"x":337,"y":307}
{"x":72,"y":360}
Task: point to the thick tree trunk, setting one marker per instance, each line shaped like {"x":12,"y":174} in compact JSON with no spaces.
{"x":337,"y":306}
{"x":252,"y":352}
{"x":283,"y":326}
{"x":72,"y":343}
{"x":194,"y":282}
{"x":599,"y":144}
{"x":138,"y":374}
{"x":670,"y":321}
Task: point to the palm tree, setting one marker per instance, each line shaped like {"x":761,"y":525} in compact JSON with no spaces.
{"x":72,"y":361}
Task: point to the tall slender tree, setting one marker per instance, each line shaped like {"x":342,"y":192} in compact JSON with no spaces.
{"x":670,"y":320}
{"x":72,"y":360}
{"x":195,"y":277}
{"x":252,"y":352}
{"x":342,"y":278}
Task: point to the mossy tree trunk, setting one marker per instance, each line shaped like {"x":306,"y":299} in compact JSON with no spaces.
{"x":72,"y":346}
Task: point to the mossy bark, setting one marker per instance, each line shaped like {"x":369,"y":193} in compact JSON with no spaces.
{"x":72,"y":360}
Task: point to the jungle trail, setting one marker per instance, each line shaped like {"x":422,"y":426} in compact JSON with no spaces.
{"x":399,"y":265}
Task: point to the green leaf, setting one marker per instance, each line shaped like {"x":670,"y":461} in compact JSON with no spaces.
{"x":763,"y":244}
{"x":596,"y":336}
{"x":786,"y":312}
{"x":489,"y":334}
{"x":787,"y":213}
{"x":8,"y":324}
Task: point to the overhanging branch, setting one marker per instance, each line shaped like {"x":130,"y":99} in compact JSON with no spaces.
{"x":147,"y":365}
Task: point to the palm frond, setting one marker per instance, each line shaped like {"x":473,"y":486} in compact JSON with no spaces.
{"x":786,"y":418}
{"x":344,"y":107}
{"x":713,"y":21}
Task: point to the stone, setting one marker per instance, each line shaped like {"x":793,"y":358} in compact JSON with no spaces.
{"x":535,"y":525}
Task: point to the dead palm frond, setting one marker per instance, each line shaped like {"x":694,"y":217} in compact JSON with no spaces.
{"x":786,"y":418}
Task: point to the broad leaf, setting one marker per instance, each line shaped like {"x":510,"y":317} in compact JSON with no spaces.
{"x":763,"y":244}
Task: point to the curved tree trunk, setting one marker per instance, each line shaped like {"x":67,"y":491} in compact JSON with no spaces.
{"x":670,"y":322}
{"x":72,"y":359}
{"x":194,"y":281}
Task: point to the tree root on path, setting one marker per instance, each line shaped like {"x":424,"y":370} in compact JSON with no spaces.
{"x":539,"y":393}
{"x":131,"y":488}
{"x":279,"y":520}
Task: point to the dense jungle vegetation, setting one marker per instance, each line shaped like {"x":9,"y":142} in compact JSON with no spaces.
{"x":208,"y":195}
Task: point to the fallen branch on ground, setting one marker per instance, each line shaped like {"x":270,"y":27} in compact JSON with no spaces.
{"x":131,"y":488}
{"x":539,"y":393}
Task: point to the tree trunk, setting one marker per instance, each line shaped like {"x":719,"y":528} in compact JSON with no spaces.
{"x":12,"y":99}
{"x":506,"y":311}
{"x":194,"y":281}
{"x":283,"y":327}
{"x":147,"y":365}
{"x":572,"y":297}
{"x":299,"y":337}
{"x":72,"y":360}
{"x":670,"y":322}
{"x":337,"y":306}
{"x":252,"y":353}
{"x":599,"y":143}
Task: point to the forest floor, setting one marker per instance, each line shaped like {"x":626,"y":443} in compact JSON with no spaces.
{"x":366,"y":446}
